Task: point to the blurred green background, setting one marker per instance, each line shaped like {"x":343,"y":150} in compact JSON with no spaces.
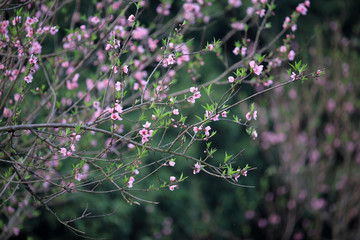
{"x":307,"y":156}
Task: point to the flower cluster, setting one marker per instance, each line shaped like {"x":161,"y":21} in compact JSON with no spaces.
{"x":173,"y":186}
{"x":196,"y":94}
{"x":83,"y":173}
{"x":115,"y":111}
{"x":256,"y":68}
{"x":146,"y":133}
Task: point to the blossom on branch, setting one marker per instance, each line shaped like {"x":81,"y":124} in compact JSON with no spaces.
{"x":256,"y":68}
{"x":197,"y":168}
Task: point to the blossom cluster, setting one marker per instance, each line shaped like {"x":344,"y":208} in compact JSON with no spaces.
{"x":78,"y":81}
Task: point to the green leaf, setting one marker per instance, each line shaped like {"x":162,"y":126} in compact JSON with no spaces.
{"x":227,"y":157}
{"x":289,"y":72}
{"x":247,"y":167}
{"x":198,"y":117}
{"x":208,"y":89}
{"x":236,"y":118}
{"x":78,"y":127}
{"x":138,"y":4}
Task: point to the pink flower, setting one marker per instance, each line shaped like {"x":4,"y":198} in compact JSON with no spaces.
{"x":318,"y":72}
{"x":10,"y":209}
{"x":291,"y":55}
{"x":118,"y":108}
{"x":78,"y":176}
{"x":96,"y":104}
{"x":31,"y":21}
{"x":235,"y":3}
{"x":193,"y":89}
{"x":301,"y":9}
{"x":293,"y":76}
{"x":252,"y":64}
{"x":172,"y":163}
{"x":108,"y":47}
{"x":53,"y":30}
{"x":72,"y":147}
{"x":140,"y":33}
{"x":197,"y":168}
{"x":231,"y":79}
{"x":147,"y":124}
{"x":261,"y":12}
{"x":172,"y":179}
{"x":317,"y":204}
{"x":268,"y":83}
{"x":16,"y":19}
{"x":152,"y":44}
{"x":248,"y":116}
{"x":115,"y":116}
{"x":140,"y":49}
{"x":131,"y":18}
{"x":118,"y":86}
{"x":95,"y":20}
{"x":238,"y":26}
{"x":286,"y":22}
{"x":172,"y":187}
{"x":307,"y":3}
{"x":197,"y":95}
{"x":163,"y":9}
{"x":191,"y":99}
{"x":243,"y":51}
{"x":210,"y":47}
{"x":144,"y":132}
{"x":16,"y":231}
{"x":130,"y":182}
{"x":165,"y":62}
{"x":258,"y":69}
{"x":77,"y":138}
{"x":125,"y":69}
{"x":254,"y":135}
{"x":223,"y":114}
{"x":208,"y":113}
{"x":196,"y":129}
{"x":207,"y":129}
{"x":35,"y":48}
{"x":144,"y":139}
{"x":33,"y":59}
{"x":115,"y":68}
{"x":283,"y":48}
{"x":28,"y":78}
{"x":176,"y":111}
{"x":255,"y":115}
{"x":236,"y":51}
{"x":170,"y":60}
{"x":63,"y":151}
